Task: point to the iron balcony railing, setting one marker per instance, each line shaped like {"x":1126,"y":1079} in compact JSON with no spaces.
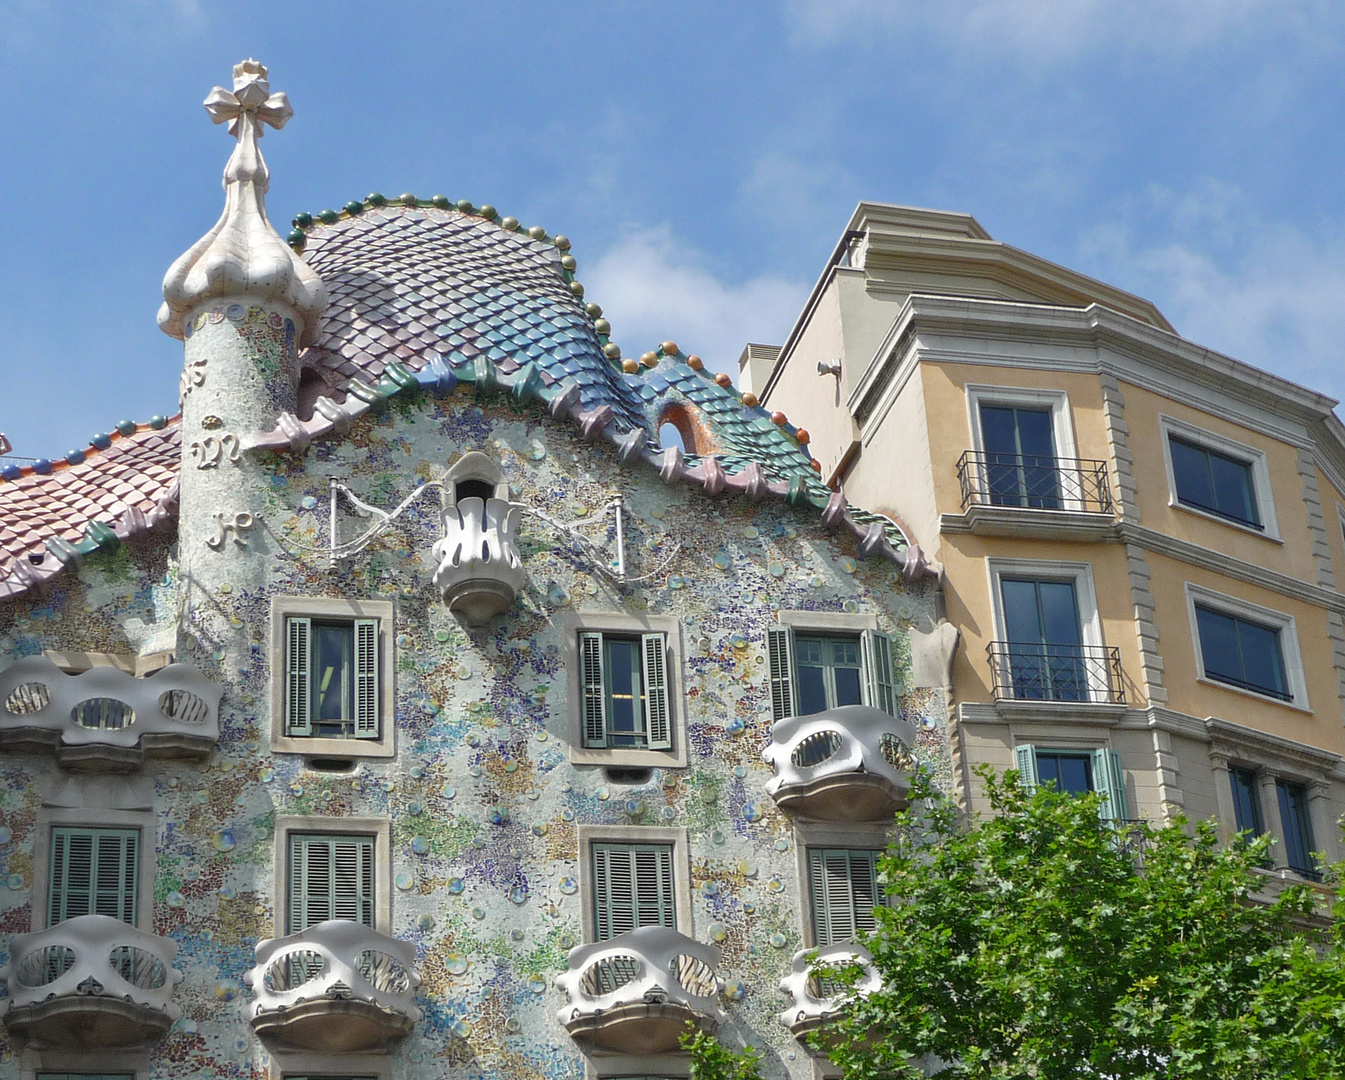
{"x":1031,"y":671}
{"x":1033,"y":481}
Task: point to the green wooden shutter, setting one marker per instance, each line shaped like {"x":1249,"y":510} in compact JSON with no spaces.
{"x":844,"y":888}
{"x":1025,"y":761}
{"x":657,"y":722}
{"x":1109,"y":781}
{"x":331,"y":877}
{"x":594,"y":689}
{"x":94,"y":872}
{"x":298,"y":666}
{"x":366,"y":678}
{"x":653,"y":886}
{"x":876,"y":656}
{"x":780,"y":650}
{"x":632,"y":886}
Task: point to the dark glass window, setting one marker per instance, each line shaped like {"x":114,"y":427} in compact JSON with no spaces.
{"x":1214,"y":482}
{"x":333,"y":678}
{"x":1046,"y":658}
{"x":1070,"y":773}
{"x":828,"y":673}
{"x":1242,"y":653}
{"x":1247,"y":802}
{"x":1293,"y":799}
{"x":1020,"y":457}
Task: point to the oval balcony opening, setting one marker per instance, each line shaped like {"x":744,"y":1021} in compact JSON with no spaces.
{"x":293,"y":970}
{"x":27,"y":698}
{"x":141,"y":969}
{"x":103,"y":714}
{"x":383,"y":972}
{"x":45,"y":965}
{"x":694,"y":975}
{"x":816,"y":748}
{"x":183,"y":707}
{"x":609,"y":975}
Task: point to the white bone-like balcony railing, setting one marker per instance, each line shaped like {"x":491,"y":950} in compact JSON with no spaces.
{"x":814,"y":995}
{"x":118,"y":980}
{"x":106,"y":719}
{"x":480,"y":570}
{"x":338,"y":985}
{"x":635,"y":992}
{"x":853,"y":763}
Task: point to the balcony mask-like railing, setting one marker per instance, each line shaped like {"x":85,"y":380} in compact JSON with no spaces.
{"x":106,"y":719}
{"x":1032,"y":671}
{"x":338,"y":986}
{"x":480,"y":571}
{"x":853,"y":763}
{"x":635,"y":993}
{"x":1033,"y":481}
{"x":814,"y":995}
{"x":90,"y":982}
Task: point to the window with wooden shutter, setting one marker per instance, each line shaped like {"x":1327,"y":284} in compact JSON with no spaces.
{"x":1025,"y":761}
{"x":658,"y":722}
{"x":595,"y":689}
{"x":879,"y":687}
{"x":843,"y":883}
{"x":366,"y":678}
{"x":1109,"y":781}
{"x":331,"y":877}
{"x":94,"y":872}
{"x":632,"y":887}
{"x":298,"y":655}
{"x":780,"y":654}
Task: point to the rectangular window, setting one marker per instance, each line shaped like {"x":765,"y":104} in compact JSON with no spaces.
{"x":84,"y":1076}
{"x":625,"y":687}
{"x":93,"y":872}
{"x":813,"y":672}
{"x":1020,"y":456}
{"x":1214,"y":482}
{"x":330,"y":877}
{"x":1076,"y":772}
{"x":843,"y":883}
{"x":1242,"y":653}
{"x":632,"y":887}
{"x":1045,"y":640}
{"x":1247,"y":801}
{"x":331,"y":678}
{"x":1293,"y":800}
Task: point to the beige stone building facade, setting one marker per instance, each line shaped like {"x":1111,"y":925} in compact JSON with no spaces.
{"x":1141,"y":540}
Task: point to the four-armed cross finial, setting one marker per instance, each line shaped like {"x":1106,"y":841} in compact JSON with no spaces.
{"x":246,"y":108}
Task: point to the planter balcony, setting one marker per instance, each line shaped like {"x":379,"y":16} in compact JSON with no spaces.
{"x":90,"y":983}
{"x":635,"y":993}
{"x":853,"y":763}
{"x":815,"y":998}
{"x":105,"y":719}
{"x":480,"y":571}
{"x":337,"y":987}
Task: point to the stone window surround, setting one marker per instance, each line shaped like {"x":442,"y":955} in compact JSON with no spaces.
{"x":674,"y":1066}
{"x":134,"y":1062}
{"x":51,"y":817}
{"x":1256,"y":460}
{"x":380,"y":828}
{"x":674,"y":836}
{"x":286,"y":1064}
{"x":1062,"y":424}
{"x":1284,"y":625}
{"x":384,"y":746}
{"x":856,"y":834}
{"x":670,"y":627}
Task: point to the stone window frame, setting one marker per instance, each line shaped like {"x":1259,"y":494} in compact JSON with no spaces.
{"x":1284,"y":625}
{"x":675,"y":1066}
{"x":54,"y":817}
{"x":672,"y":835}
{"x":1256,"y":461}
{"x":380,"y":828}
{"x":572,"y":625}
{"x":286,"y":1064}
{"x":857,"y":835}
{"x":282,"y":608}
{"x":35,"y":1061}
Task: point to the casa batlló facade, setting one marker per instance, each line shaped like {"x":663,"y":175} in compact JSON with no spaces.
{"x":403,"y":708}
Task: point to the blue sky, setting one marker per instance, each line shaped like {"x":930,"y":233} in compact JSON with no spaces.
{"x":703,"y":158}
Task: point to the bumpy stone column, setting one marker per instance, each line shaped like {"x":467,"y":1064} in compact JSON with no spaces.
{"x":244,"y":304}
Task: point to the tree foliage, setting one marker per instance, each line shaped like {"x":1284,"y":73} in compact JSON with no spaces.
{"x":1040,"y":943}
{"x":712,"y":1060}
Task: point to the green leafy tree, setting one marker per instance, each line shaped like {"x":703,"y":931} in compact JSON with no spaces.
{"x":712,"y":1060}
{"x":1038,"y":943}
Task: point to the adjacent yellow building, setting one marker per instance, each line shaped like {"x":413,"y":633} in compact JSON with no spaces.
{"x":1139,"y":537}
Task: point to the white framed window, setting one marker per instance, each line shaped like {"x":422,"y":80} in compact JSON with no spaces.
{"x":332,"y":868}
{"x":333,"y":688}
{"x":819,"y":660}
{"x":1218,"y":478}
{"x":1054,"y":402}
{"x":1246,"y":648}
{"x":1075,"y":771}
{"x":632,"y":876}
{"x":623,"y":677}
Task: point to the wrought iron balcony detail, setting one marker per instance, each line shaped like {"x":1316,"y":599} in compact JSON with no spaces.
{"x":853,"y":763}
{"x":337,"y":987}
{"x":90,"y":983}
{"x":635,"y":993}
{"x":1031,"y":671}
{"x":815,"y":997}
{"x":105,"y":719}
{"x":1033,"y":482}
{"x":480,"y":570}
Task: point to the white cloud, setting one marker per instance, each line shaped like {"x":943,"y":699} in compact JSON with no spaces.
{"x":654,"y":288}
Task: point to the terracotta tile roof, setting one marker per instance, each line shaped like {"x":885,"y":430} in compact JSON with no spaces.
{"x":53,"y":513}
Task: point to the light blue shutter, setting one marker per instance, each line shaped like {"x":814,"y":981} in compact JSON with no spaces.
{"x":298,"y":667}
{"x":876,"y":655}
{"x":780,"y":652}
{"x":331,"y":877}
{"x":1109,"y":781}
{"x":94,"y":872}
{"x":1025,"y":761}
{"x":657,"y":720}
{"x":366,"y":678}
{"x":844,"y":888}
{"x":632,"y":886}
{"x":593,"y":688}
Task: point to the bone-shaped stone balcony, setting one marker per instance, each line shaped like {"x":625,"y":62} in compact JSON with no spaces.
{"x":105,"y":719}
{"x":337,"y":987}
{"x":852,"y":763}
{"x":634,"y":993}
{"x":90,"y":983}
{"x":814,"y":996}
{"x":480,"y":571}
